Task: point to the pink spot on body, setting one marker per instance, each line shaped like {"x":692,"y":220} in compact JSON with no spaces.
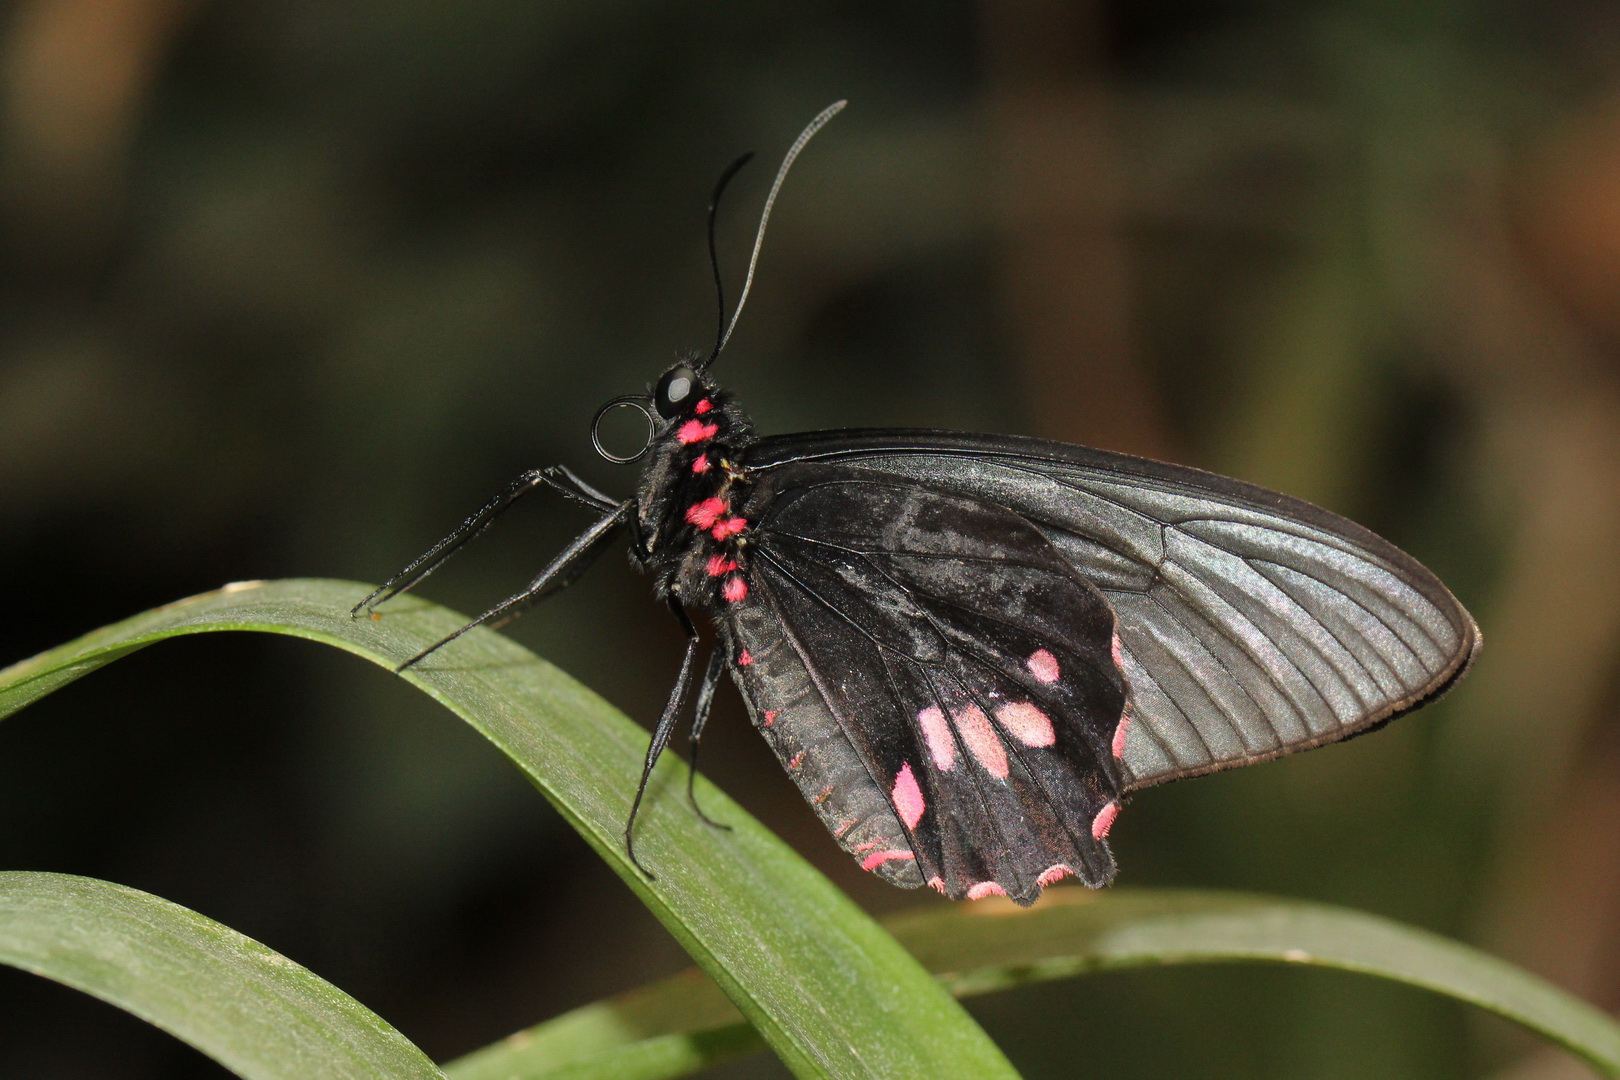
{"x":878,"y":858}
{"x":1044,"y":666}
{"x":984,"y":889}
{"x":703,"y":406}
{"x":908,"y":797}
{"x":696,"y":431}
{"x":729,"y":527}
{"x":701,"y":465}
{"x":1027,"y":724}
{"x":734,"y":590}
{"x":745,"y":658}
{"x":1104,"y":820}
{"x":720,"y":566}
{"x":1054,"y":874}
{"x":937,"y":884}
{"x":707,"y":512}
{"x":1119,"y":732}
{"x":937,"y":733}
{"x":982,"y":739}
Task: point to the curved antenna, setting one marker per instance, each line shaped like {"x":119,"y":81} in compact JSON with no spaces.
{"x":714,"y":256}
{"x":770,"y":200}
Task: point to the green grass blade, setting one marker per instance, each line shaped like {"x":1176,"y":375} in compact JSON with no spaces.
{"x":828,"y":989}
{"x":250,"y":1009}
{"x":680,"y":1025}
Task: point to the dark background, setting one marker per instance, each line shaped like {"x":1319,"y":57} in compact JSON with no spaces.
{"x":287,"y":289}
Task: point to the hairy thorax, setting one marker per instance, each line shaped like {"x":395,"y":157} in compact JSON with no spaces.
{"x":693,"y":538}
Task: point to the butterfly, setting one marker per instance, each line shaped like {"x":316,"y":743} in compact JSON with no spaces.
{"x":969,"y":650}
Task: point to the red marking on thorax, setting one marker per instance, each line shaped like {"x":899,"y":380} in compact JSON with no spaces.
{"x":735,"y":590}
{"x":745,"y":659}
{"x":707,"y":512}
{"x":720,"y":566}
{"x":729,"y":527}
{"x":908,"y":797}
{"x":703,"y":406}
{"x":878,"y":858}
{"x":701,"y":465}
{"x":696,"y":431}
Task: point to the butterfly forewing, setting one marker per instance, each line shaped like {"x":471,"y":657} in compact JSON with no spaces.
{"x":1250,"y":624}
{"x":968,"y":667}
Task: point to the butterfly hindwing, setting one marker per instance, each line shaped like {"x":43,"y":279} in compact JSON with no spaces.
{"x":1251,"y":624}
{"x":961,"y":662}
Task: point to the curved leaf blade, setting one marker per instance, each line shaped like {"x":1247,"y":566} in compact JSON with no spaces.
{"x":247,"y":1007}
{"x":677,"y":1026}
{"x":830,"y":991}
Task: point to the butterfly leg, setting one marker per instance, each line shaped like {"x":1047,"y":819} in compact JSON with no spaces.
{"x":700,"y":717}
{"x":666,"y":725}
{"x":557,"y":477}
{"x":560,"y":573}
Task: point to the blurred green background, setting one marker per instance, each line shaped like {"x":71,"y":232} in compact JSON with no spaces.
{"x":287,"y":289}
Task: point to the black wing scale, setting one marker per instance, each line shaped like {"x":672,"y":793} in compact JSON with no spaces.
{"x":964,"y":666}
{"x":908,"y":585}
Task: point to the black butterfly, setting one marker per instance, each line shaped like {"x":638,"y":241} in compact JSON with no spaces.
{"x":967,"y":650}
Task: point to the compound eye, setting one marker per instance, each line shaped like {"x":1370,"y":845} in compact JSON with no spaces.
{"x":678,"y":384}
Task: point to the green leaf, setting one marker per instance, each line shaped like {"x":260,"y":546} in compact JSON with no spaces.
{"x":675,"y":1027}
{"x":827,"y":988}
{"x":249,"y":1008}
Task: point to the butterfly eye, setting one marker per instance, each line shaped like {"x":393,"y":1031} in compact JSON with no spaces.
{"x":675,"y":387}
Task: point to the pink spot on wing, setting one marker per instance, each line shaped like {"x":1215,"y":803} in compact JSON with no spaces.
{"x":720,"y":566}
{"x":798,"y":759}
{"x":1054,"y":874}
{"x":1119,"y":733}
{"x":703,"y":406}
{"x":745,"y":658}
{"x":728,"y":527}
{"x":734,"y":590}
{"x":878,"y":858}
{"x":982,"y":739}
{"x":937,"y":733}
{"x":984,"y":889}
{"x":707,"y":512}
{"x":1043,"y":665}
{"x":908,"y":797}
{"x":844,"y":827}
{"x":1104,"y":820}
{"x":1118,"y":651}
{"x":1027,"y":724}
{"x":867,"y":846}
{"x":770,"y":717}
{"x":937,"y":884}
{"x":701,"y":465}
{"x":695,"y":431}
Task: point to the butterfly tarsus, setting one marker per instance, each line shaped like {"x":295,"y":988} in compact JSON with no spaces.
{"x":661,"y":733}
{"x":700,"y":717}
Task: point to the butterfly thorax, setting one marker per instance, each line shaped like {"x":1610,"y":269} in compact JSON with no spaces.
{"x":693,"y":539}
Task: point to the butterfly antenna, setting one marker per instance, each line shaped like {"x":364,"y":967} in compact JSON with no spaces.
{"x":770,"y":200}
{"x":714,"y":256}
